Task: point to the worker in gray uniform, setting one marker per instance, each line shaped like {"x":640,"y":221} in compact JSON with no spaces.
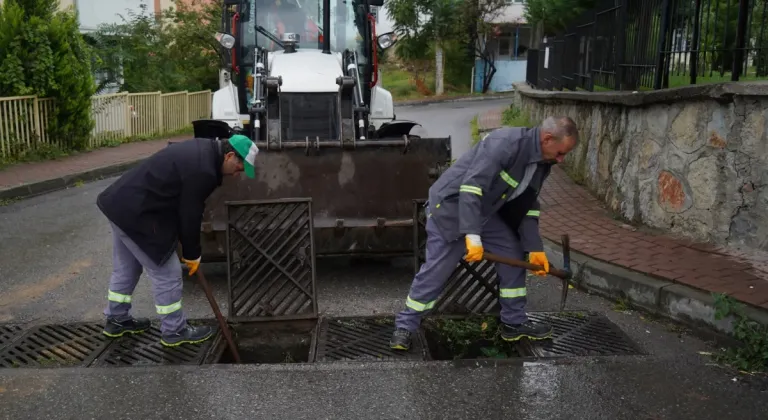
{"x":489,"y":197}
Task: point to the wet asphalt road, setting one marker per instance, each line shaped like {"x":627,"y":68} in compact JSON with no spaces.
{"x":55,"y":261}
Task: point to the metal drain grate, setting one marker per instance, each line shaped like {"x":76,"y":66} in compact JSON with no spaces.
{"x":362,"y":339}
{"x":271,"y":260}
{"x":56,"y":346}
{"x":473,"y":288}
{"x":9,"y":333}
{"x":145,"y":350}
{"x":581,"y":334}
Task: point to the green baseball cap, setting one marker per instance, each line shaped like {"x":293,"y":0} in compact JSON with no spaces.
{"x":247,"y":150}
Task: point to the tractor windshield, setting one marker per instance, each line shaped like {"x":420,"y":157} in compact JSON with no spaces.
{"x":268,"y":20}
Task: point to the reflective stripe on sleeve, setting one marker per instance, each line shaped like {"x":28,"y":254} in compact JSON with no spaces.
{"x":534,"y":213}
{"x":508,"y":179}
{"x":471,"y":189}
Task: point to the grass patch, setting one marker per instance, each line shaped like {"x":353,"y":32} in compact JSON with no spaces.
{"x":752,"y":354}
{"x":403,"y":86}
{"x":475,"y":130}
{"x":516,"y":117}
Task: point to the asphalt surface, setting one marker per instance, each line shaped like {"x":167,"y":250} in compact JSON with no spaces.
{"x":448,"y":119}
{"x":55,"y":262}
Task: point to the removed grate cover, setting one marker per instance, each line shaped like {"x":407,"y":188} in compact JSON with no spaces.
{"x":271,"y":258}
{"x":145,"y":350}
{"x":362,"y":339}
{"x":65,"y":345}
{"x":581,"y":334}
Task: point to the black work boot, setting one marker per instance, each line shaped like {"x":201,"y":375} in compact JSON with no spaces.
{"x":401,"y":339}
{"x":527,"y":330}
{"x":114,"y":328}
{"x":188,"y":335}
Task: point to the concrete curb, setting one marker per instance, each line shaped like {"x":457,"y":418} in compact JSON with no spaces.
{"x":667,"y":299}
{"x":50,"y":185}
{"x":416,"y":102}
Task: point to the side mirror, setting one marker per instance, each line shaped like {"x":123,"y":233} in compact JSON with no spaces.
{"x":226,"y":40}
{"x":386,"y":40}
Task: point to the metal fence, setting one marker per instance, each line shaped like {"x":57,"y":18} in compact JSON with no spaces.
{"x":655,"y":44}
{"x":25,"y":120}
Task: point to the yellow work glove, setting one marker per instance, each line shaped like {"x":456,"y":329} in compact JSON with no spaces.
{"x":192,"y":265}
{"x":539,"y":258}
{"x":474,"y":248}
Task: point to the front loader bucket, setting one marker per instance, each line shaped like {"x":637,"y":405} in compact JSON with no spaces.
{"x":362,"y":198}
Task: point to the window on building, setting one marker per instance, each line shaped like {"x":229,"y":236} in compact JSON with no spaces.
{"x":512,"y":45}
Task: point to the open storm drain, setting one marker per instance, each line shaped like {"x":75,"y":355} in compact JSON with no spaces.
{"x":581,"y":334}
{"x":363,"y":339}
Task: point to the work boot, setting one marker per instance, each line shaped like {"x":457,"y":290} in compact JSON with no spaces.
{"x":188,"y":335}
{"x":401,"y":340}
{"x":114,"y":328}
{"x":527,"y":330}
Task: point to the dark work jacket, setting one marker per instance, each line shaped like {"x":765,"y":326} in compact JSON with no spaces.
{"x":161,"y":201}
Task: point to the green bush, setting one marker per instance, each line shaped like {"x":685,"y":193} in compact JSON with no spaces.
{"x":42,"y":53}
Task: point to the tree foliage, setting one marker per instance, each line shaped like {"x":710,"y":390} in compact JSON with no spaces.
{"x":42,"y":53}
{"x":176,"y":52}
{"x":555,"y":15}
{"x":460,"y":27}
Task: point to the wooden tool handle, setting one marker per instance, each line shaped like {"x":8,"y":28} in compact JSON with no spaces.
{"x":522,"y":264}
{"x":222,"y":322}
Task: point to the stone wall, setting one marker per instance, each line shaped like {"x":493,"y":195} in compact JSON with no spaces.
{"x":692,"y":160}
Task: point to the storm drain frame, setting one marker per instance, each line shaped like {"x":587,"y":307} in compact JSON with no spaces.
{"x":472,"y":288}
{"x":60,"y":345}
{"x":9,"y":333}
{"x":271,"y":271}
{"x":145,"y":350}
{"x":364,"y":339}
{"x":581,"y":334}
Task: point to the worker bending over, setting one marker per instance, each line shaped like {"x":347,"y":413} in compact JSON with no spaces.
{"x":489,"y":197}
{"x":152,"y":208}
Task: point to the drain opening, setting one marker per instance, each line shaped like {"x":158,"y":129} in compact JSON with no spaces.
{"x":270,"y":342}
{"x":475,"y":337}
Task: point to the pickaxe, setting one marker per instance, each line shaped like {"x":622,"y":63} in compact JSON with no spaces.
{"x":565,"y":274}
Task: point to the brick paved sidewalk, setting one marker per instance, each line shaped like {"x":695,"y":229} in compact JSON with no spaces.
{"x":26,"y":173}
{"x":570,"y":209}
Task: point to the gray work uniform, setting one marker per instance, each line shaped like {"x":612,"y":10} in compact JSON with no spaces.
{"x":466,"y":199}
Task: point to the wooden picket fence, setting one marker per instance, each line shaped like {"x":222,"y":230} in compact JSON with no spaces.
{"x":24,"y":120}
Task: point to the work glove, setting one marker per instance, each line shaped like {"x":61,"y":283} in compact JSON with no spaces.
{"x":192,"y":265}
{"x":539,"y":258}
{"x":474,"y":248}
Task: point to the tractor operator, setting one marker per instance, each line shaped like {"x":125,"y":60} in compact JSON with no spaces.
{"x":151,"y":209}
{"x":489,"y":197}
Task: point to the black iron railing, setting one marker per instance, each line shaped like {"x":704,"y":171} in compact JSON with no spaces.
{"x":655,"y":44}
